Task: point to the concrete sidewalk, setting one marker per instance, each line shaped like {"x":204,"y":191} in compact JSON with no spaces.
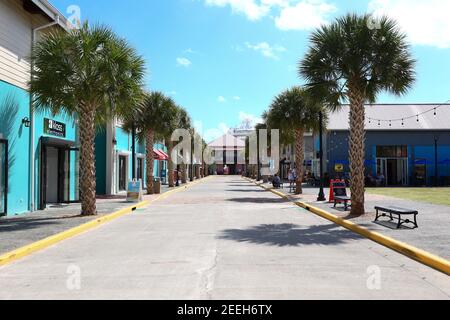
{"x":222,"y":239}
{"x":19,"y":231}
{"x":433,"y":234}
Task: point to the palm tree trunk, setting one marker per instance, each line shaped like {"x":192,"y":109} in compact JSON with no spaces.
{"x":150,"y":161}
{"x":87,"y":161}
{"x":184,"y":173}
{"x":170,"y":166}
{"x":357,"y":150}
{"x":299,"y":159}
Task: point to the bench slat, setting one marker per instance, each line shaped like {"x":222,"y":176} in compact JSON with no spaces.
{"x":396,"y":210}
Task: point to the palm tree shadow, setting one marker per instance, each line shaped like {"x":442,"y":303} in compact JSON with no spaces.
{"x":290,"y":235}
{"x":9,"y":108}
{"x":258,"y":200}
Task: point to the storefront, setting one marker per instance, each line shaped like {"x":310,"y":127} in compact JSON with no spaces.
{"x":55,"y":172}
{"x":58,"y":169}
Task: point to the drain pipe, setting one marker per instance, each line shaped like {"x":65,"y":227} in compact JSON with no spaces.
{"x":32,"y":133}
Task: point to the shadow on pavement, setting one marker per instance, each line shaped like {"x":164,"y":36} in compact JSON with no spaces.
{"x":290,"y":235}
{"x":25,"y":224}
{"x":246,"y":190}
{"x":258,"y":200}
{"x":242,"y":185}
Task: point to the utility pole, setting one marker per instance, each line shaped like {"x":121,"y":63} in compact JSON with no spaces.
{"x":436,"y":159}
{"x":133,"y":150}
{"x":258,"y":169}
{"x":321,"y":196}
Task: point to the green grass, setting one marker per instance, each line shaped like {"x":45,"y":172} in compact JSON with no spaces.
{"x":429,"y":195}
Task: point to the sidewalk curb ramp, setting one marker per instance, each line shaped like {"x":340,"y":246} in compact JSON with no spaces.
{"x":419,"y":255}
{"x":29,"y":249}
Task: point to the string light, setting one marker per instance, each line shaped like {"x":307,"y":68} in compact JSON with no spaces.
{"x":417,"y":116}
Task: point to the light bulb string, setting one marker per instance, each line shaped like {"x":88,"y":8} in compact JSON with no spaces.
{"x":403,"y":119}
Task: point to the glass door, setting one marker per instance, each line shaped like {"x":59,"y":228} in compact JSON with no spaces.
{"x":3,"y":177}
{"x":122,"y":173}
{"x":381,"y":178}
{"x":403,"y":167}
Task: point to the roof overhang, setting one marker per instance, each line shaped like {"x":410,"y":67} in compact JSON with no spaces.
{"x":45,"y":8}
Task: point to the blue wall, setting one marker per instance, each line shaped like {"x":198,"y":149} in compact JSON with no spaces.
{"x":14,"y":106}
{"x":420,"y":146}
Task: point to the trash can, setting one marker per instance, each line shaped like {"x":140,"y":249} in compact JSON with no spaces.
{"x":157,"y":185}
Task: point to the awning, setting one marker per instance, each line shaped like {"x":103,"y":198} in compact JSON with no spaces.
{"x":160,"y":155}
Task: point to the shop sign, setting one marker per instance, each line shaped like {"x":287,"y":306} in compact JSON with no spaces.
{"x":54,"y":128}
{"x":134,"y":191}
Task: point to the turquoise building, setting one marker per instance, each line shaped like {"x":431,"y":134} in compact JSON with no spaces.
{"x":114,"y":160}
{"x":38,"y":152}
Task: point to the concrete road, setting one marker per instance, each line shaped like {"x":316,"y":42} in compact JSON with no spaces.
{"x":222,"y":239}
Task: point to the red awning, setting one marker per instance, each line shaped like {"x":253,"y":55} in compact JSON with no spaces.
{"x":166,"y":156}
{"x":160,"y":155}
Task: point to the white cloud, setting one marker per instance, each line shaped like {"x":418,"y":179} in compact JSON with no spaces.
{"x":183,"y":62}
{"x":252,"y":10}
{"x":305,"y":15}
{"x":426,"y":22}
{"x":221,"y":99}
{"x":266,"y":49}
{"x":236,"y":98}
{"x":249,"y":120}
{"x":290,"y":14}
{"x":172,"y":93}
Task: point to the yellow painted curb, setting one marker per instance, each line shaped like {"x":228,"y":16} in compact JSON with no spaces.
{"x":414,"y":253}
{"x":47,"y":242}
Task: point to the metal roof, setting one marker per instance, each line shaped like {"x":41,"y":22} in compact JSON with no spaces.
{"x":403,"y":116}
{"x":227,"y":141}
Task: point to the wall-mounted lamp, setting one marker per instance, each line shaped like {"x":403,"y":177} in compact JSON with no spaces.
{"x":26,"y":122}
{"x":114,"y":142}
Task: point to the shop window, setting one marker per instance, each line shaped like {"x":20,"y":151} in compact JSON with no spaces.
{"x":392,"y":152}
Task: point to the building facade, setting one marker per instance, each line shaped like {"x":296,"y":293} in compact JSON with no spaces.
{"x":408,"y":145}
{"x":38,"y":151}
{"x":113,"y":154}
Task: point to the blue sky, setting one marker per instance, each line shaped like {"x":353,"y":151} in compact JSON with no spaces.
{"x":225,"y":60}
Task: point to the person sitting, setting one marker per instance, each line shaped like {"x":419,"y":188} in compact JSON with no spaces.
{"x":276,"y":182}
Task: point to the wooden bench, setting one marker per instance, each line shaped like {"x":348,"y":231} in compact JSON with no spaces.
{"x":390,"y":211}
{"x":340,"y":196}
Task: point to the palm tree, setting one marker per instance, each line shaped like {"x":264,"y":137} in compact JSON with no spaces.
{"x":184,"y":122}
{"x":90,"y":74}
{"x":294,"y":112}
{"x":169,"y":116}
{"x":175,"y":118}
{"x":148,"y":118}
{"x":350,"y":60}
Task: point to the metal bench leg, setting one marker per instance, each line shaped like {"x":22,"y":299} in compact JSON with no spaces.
{"x":346,"y":205}
{"x":335,"y":203}
{"x":399,"y":222}
{"x":415,"y":221}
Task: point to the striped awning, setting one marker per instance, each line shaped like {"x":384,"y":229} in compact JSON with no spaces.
{"x":160,"y":155}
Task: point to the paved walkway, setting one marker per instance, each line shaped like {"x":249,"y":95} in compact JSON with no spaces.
{"x":18,"y":231}
{"x":222,"y":239}
{"x":433,"y":234}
